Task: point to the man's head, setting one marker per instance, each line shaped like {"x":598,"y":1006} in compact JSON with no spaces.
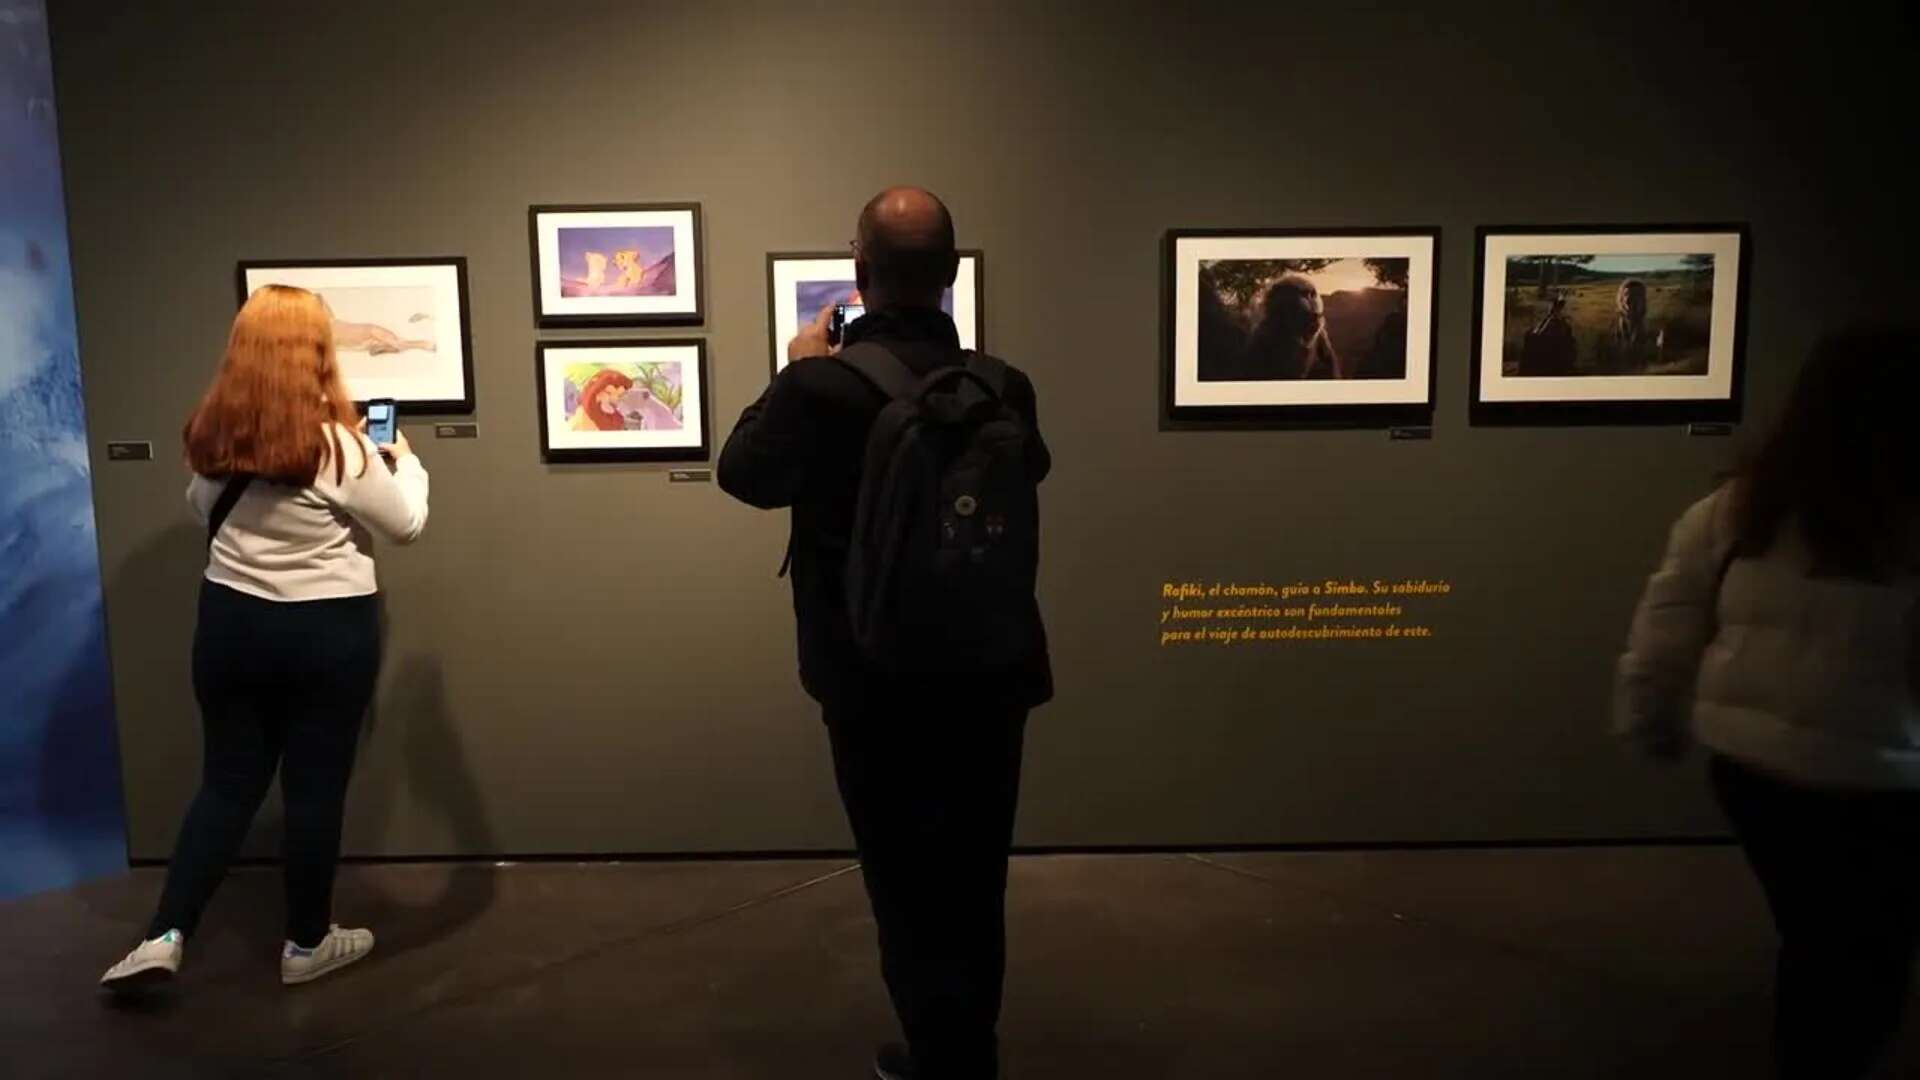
{"x":904,"y":256}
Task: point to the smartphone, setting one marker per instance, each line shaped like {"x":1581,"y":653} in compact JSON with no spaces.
{"x":380,"y":421}
{"x":843,"y":316}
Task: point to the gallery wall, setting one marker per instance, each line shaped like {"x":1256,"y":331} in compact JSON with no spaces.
{"x":589,"y":658}
{"x":59,"y":781}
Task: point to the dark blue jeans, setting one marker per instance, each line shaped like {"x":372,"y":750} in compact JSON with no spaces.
{"x":931,"y":791}
{"x":282,"y":686}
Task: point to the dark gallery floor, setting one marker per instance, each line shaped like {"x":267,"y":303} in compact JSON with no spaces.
{"x":1590,"y":962}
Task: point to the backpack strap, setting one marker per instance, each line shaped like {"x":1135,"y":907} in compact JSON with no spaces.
{"x":876,"y":363}
{"x":991,"y":369}
{"x":223,"y":506}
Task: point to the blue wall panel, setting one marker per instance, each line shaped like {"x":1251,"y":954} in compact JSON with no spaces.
{"x":60,"y":818}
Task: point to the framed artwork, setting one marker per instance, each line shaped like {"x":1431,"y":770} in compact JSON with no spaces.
{"x":642,"y":400}
{"x":1298,"y":327}
{"x":799,"y":284}
{"x":1609,"y":324}
{"x":401,"y":328}
{"x":627,"y":265}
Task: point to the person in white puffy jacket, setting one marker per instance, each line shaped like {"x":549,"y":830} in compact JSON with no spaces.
{"x":1782,"y":633}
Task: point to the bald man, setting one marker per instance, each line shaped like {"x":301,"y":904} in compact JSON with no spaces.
{"x":928,"y":770}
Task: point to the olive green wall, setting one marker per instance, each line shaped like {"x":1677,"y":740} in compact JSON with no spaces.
{"x":515,"y":715}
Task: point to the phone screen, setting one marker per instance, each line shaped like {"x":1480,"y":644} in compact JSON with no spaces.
{"x":843,"y":316}
{"x":380,"y":422}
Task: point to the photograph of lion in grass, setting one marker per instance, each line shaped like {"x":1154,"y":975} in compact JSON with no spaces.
{"x":1585,"y":315}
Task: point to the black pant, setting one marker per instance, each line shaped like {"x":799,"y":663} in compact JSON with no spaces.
{"x":1841,"y":871}
{"x":275,"y":680}
{"x":930,"y":791}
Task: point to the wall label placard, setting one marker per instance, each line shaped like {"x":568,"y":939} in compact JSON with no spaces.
{"x":129,"y":450}
{"x":456,"y":431}
{"x":1272,"y":613}
{"x":689,"y":476}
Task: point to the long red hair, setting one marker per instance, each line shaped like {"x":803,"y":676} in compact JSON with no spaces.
{"x":272,"y":406}
{"x":603,"y":380}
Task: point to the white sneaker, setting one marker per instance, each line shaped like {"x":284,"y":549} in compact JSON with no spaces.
{"x":335,"y":951}
{"x":149,"y":964}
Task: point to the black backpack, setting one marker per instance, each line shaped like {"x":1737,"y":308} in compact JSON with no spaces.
{"x":946,"y":534}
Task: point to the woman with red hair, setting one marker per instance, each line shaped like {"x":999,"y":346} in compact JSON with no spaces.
{"x":287,"y":646}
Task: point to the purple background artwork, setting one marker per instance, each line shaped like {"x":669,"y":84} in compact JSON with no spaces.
{"x":810,"y":296}
{"x":649,"y":271}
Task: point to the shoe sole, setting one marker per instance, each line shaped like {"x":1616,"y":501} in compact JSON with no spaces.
{"x":136,"y":981}
{"x":325,"y":970}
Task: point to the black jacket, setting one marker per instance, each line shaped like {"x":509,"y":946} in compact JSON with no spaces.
{"x":802,"y":445}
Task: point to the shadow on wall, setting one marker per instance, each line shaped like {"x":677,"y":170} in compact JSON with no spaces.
{"x":412,"y":750}
{"x":411,"y":754}
{"x":157,"y":585}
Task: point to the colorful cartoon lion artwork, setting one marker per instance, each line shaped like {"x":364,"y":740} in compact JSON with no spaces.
{"x":625,"y":397}
{"x":600,"y":403}
{"x":598,"y":261}
{"x":631,"y":269}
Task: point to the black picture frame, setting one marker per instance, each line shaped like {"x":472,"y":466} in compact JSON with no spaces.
{"x":546,"y":320}
{"x":569,"y":456}
{"x":1624,"y":413}
{"x":462,"y":405}
{"x":775,"y":346}
{"x":1383,"y":415}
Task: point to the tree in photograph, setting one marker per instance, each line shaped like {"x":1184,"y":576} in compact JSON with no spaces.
{"x":1699,"y":273}
{"x":1553,"y":270}
{"x":1390,"y":273}
{"x":1243,"y":282}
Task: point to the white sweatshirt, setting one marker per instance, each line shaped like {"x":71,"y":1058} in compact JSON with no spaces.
{"x":315,"y":543}
{"x":1809,"y":678}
